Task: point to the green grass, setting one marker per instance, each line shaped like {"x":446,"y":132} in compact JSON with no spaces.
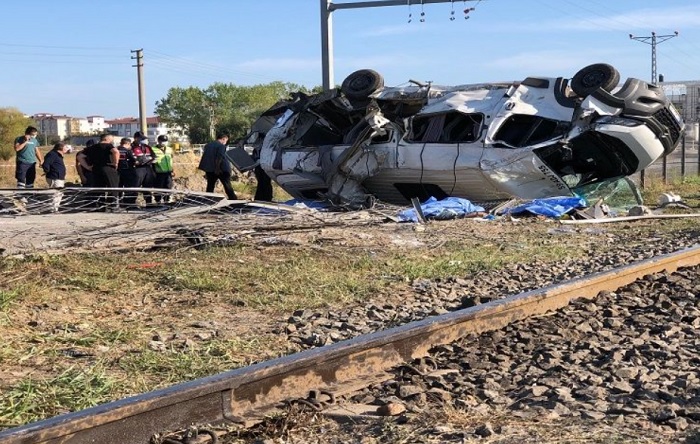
{"x":149,"y":369}
{"x":6,"y":298}
{"x":73,"y":389}
{"x":282,"y":279}
{"x":688,"y":188}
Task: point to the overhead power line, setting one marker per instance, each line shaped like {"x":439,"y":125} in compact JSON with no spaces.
{"x":84,"y":48}
{"x":203,"y":66}
{"x":654,"y":40}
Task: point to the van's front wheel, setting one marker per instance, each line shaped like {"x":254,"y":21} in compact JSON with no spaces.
{"x":592,"y":77}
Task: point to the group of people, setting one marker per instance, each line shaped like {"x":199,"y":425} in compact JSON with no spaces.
{"x":100,"y":165}
{"x":131,"y":164}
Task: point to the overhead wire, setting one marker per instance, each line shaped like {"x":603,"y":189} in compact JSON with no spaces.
{"x":85,"y":48}
{"x":205,"y":65}
{"x":44,"y":54}
{"x":627,"y":23}
{"x":61,"y":62}
{"x":159,"y":65}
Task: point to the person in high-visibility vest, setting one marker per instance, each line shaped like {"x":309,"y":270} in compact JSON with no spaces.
{"x":163,"y":166}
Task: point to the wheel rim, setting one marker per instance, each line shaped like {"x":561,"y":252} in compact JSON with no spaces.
{"x":592,"y":79}
{"x":360,"y":83}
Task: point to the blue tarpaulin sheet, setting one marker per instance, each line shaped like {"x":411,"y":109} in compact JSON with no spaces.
{"x":448,"y":208}
{"x":550,"y":206}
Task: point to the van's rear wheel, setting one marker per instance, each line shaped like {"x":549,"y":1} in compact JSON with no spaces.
{"x":592,"y":77}
{"x":360,"y":84}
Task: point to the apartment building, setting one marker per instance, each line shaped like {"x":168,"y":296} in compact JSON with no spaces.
{"x":53,"y":125}
{"x":64,"y":127}
{"x":127,"y":126}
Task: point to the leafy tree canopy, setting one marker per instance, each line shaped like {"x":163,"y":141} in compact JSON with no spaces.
{"x":12,"y":124}
{"x":228,"y":107}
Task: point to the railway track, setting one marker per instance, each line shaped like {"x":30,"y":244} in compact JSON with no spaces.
{"x":244,"y":395}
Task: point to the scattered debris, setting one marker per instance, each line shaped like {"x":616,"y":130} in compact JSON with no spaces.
{"x":550,"y":207}
{"x":639,"y":210}
{"x":445,"y":209}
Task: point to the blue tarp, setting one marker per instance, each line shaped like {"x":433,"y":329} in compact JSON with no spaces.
{"x":448,"y":208}
{"x":550,"y":206}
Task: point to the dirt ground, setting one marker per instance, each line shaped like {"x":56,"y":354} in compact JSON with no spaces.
{"x":91,"y":326}
{"x":85,"y":321}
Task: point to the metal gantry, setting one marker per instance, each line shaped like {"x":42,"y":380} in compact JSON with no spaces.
{"x":327,"y":9}
{"x":654,"y":40}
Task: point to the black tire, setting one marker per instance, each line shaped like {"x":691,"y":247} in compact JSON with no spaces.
{"x":592,"y":77}
{"x":360,"y":84}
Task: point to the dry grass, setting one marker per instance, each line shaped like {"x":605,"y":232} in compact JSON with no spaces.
{"x":129,"y":323}
{"x":78,"y":330}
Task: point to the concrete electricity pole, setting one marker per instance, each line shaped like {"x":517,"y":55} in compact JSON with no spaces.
{"x":212,"y":122}
{"x":654,"y":40}
{"x":142,"y":91}
{"x":327,"y":8}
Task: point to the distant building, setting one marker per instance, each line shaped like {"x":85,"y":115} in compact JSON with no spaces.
{"x":95,"y":125}
{"x":127,"y":126}
{"x":52,"y":125}
{"x":685,"y":95}
{"x":64,"y":127}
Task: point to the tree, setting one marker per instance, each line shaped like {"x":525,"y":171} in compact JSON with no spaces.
{"x":223,"y":106}
{"x":12,"y":124}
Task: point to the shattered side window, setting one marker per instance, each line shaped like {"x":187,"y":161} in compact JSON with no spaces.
{"x":588,"y":159}
{"x":619,"y":194}
{"x":449,"y":127}
{"x":521,"y":130}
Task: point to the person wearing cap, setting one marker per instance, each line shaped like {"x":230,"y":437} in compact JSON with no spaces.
{"x":216,"y":166}
{"x":163,"y":166}
{"x":144,"y":176}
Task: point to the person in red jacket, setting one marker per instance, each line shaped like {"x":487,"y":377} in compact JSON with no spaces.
{"x":143,"y":174}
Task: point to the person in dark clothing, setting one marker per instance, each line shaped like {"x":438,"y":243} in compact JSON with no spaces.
{"x":263,"y":192}
{"x":104,"y":158}
{"x":125,"y":166}
{"x":82,"y":166}
{"x":144,"y":176}
{"x":216,"y":166}
{"x":54,"y":166}
{"x":126,"y":169}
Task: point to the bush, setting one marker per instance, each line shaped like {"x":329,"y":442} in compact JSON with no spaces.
{"x":12,"y":124}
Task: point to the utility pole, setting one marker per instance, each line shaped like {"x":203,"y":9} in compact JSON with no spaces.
{"x":212,"y":125}
{"x":654,"y":40}
{"x":327,"y":8}
{"x":142,"y":90}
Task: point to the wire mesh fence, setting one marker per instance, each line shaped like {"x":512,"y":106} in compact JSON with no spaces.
{"x":82,"y":199}
{"x":681,"y":163}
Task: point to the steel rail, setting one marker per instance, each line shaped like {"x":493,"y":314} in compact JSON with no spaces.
{"x":247,"y":393}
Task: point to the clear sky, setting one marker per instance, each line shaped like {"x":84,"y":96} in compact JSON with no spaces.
{"x":73,"y":57}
